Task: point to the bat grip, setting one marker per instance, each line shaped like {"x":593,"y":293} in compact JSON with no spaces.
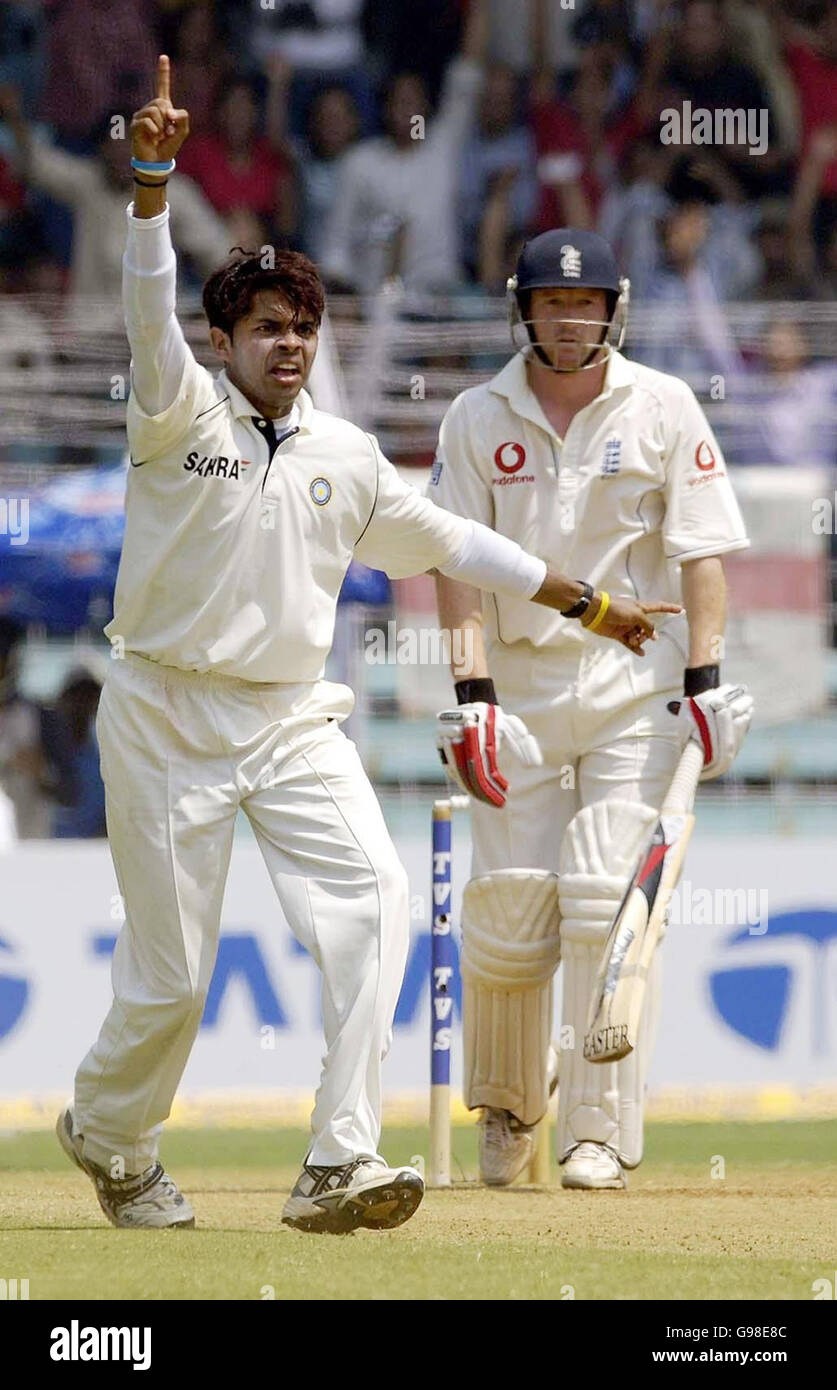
{"x":681,"y":794}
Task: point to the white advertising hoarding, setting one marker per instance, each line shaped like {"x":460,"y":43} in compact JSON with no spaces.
{"x":750,"y":972}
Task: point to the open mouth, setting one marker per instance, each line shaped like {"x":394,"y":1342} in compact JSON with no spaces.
{"x":285,"y":371}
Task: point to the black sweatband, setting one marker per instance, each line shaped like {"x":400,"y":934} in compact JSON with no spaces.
{"x":696,"y":679}
{"x":156,"y":183}
{"x":581,"y":605}
{"x":479,"y":690}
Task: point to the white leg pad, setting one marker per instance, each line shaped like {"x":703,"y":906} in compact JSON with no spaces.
{"x":511,"y":946}
{"x":602,"y":1102}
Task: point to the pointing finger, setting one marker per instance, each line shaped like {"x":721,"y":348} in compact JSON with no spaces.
{"x":660,"y":607}
{"x":164,"y":77}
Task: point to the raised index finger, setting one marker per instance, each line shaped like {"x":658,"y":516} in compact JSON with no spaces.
{"x":164,"y":77}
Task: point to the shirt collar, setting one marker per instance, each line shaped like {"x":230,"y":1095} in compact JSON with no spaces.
{"x":303,"y":407}
{"x":513,"y":383}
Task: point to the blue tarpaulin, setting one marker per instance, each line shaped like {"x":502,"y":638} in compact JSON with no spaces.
{"x":59,"y":553}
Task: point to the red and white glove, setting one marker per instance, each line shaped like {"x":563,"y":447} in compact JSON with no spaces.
{"x":469,"y":739}
{"x":718,"y":720}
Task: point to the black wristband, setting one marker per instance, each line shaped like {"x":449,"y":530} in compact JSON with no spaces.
{"x":581,"y":605}
{"x":156,"y":183}
{"x":480,"y":689}
{"x":696,"y":679}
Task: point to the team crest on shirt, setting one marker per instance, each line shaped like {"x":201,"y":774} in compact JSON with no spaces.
{"x":612,"y":458}
{"x":320,"y":491}
{"x":570,"y":262}
{"x":436,"y":472}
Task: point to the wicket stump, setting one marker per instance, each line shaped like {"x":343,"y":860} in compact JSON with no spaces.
{"x":443,"y":976}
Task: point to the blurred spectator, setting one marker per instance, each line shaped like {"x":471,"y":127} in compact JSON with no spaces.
{"x":785,"y":403}
{"x":200,"y":62}
{"x":322,"y":43}
{"x":812,"y":59}
{"x":242,"y":171}
{"x":783,"y":273}
{"x":612,"y":27}
{"x":81,"y":814}
{"x":395,"y":206}
{"x":23,"y":48}
{"x":101,"y":59}
{"x":333,"y":127}
{"x":502,"y":149}
{"x":813,"y":214}
{"x":24,"y":807}
{"x":694,"y":58}
{"x":697,"y":257}
{"x":397,"y":43}
{"x":697,"y":226}
{"x":98,"y":190}
{"x":15,"y":226}
{"x":577,"y":147}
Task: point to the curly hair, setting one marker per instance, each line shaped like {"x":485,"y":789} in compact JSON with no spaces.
{"x":228,"y":293}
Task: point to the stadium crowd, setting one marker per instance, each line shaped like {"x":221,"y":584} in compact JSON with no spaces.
{"x":431,"y":143}
{"x":357,"y":132}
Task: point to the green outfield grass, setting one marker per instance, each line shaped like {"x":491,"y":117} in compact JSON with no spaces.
{"x":766,"y":1229}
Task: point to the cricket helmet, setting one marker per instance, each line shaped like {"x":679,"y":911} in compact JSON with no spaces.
{"x":569,"y":258}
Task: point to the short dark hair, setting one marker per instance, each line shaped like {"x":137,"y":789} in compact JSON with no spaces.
{"x":228,"y":293}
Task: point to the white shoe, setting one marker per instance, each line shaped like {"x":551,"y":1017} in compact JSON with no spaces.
{"x":506,"y":1145}
{"x":593,"y":1165}
{"x":149,"y":1199}
{"x":364,"y":1192}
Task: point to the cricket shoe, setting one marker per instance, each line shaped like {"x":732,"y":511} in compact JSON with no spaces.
{"x":364,"y":1192}
{"x":593,"y":1166}
{"x":506,"y":1145}
{"x":150,"y":1199}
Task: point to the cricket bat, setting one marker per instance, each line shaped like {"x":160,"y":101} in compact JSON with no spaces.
{"x":616,"y":1006}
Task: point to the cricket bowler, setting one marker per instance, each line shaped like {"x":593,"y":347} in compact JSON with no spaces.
{"x":609,"y":470}
{"x":244,"y":508}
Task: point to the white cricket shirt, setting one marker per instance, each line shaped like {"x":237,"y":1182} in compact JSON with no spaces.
{"x":234,"y":551}
{"x":637,"y":486}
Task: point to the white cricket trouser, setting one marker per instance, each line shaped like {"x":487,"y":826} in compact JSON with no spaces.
{"x":604,"y":731}
{"x":180,"y":752}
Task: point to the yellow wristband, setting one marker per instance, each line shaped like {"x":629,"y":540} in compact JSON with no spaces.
{"x":603,"y":607}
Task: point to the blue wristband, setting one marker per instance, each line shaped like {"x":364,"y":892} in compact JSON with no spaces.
{"x":146,"y":166}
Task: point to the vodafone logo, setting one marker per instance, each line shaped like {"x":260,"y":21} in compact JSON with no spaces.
{"x":510,"y":457}
{"x":704,"y":457}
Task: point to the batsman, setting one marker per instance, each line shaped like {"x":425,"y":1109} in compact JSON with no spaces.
{"x":567,"y":743}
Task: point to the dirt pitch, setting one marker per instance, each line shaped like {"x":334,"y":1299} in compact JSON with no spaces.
{"x":766,"y":1229}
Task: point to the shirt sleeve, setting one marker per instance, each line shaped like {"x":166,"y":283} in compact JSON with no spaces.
{"x":702,"y":516}
{"x":456,"y":482}
{"x":168,"y":387}
{"x":406,"y":534}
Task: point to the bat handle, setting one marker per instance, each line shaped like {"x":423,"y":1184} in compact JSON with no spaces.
{"x":681,"y":794}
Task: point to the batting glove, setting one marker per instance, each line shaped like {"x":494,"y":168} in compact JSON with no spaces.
{"x":718,"y":720}
{"x":469,"y":739}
